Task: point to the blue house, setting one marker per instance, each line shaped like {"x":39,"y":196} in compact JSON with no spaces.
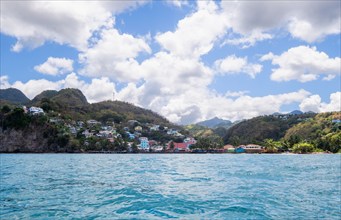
{"x":240,"y":150}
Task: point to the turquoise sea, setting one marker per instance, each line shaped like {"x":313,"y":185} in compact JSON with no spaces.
{"x":158,"y":186}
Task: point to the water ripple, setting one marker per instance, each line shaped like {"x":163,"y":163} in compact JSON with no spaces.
{"x":78,"y":186}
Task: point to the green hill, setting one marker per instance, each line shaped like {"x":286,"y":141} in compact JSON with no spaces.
{"x":323,"y":130}
{"x":45,"y":94}
{"x":257,"y":129}
{"x":13,"y":95}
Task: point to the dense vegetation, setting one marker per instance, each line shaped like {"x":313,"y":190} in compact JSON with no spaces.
{"x":300,"y":133}
{"x":257,"y":129}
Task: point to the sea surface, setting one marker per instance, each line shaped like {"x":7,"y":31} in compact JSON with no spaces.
{"x":162,"y":186}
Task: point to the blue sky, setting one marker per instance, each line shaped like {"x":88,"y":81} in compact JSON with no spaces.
{"x":186,"y":60}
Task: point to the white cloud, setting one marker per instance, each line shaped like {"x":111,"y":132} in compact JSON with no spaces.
{"x":249,"y":40}
{"x":113,"y":56}
{"x":34,"y":87}
{"x":90,"y":90}
{"x":100,"y":89}
{"x":234,"y":65}
{"x":4,"y":84}
{"x":54,"y":66}
{"x":304,"y":64}
{"x":64,"y":22}
{"x":177,"y":3}
{"x":313,"y":103}
{"x":306,"y":20}
{"x":196,"y":34}
{"x":236,"y":94}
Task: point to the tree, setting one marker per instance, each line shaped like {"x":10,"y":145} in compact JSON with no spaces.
{"x":271,"y":145}
{"x":303,"y":147}
{"x":5,"y":109}
{"x":134,"y":148}
{"x":171,"y":145}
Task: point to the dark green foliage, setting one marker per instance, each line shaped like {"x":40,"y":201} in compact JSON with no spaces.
{"x":5,"y":109}
{"x":47,"y":94}
{"x":16,"y":119}
{"x":13,"y":95}
{"x":256,"y":130}
{"x":319,"y":130}
{"x":208,"y":143}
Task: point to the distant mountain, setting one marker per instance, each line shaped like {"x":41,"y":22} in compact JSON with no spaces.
{"x":45,"y":94}
{"x":296,"y":112}
{"x":14,"y":96}
{"x":215,"y":123}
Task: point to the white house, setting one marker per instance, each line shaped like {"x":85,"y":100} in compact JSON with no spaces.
{"x":36,"y":111}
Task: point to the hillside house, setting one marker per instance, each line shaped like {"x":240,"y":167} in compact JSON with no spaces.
{"x":36,"y":111}
{"x":144,"y":143}
{"x":253,"y":148}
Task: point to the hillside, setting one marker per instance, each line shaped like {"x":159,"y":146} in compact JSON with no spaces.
{"x":324,"y":130}
{"x":13,"y":95}
{"x":72,"y":104}
{"x":257,"y":129}
{"x":124,"y":111}
{"x":47,"y":94}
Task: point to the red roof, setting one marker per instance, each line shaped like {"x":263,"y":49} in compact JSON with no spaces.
{"x":179,"y":145}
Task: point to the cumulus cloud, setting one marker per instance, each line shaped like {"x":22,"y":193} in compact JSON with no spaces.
{"x":314,"y":103}
{"x":196,"y":34}
{"x":234,"y":65}
{"x":33,"y":23}
{"x":4,"y":84}
{"x":248,"y":40}
{"x":113,"y":55}
{"x":54,"y":66}
{"x":304,"y":64}
{"x":306,"y":20}
{"x":32,"y":88}
{"x":177,"y":3}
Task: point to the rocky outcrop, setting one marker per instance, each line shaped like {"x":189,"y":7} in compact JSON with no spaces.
{"x":30,"y":139}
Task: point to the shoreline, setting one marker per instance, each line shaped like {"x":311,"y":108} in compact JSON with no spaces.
{"x":313,"y":153}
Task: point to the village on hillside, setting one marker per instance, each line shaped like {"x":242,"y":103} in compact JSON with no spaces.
{"x":132,"y":137}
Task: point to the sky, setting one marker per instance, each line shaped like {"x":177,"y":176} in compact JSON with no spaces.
{"x":186,"y":60}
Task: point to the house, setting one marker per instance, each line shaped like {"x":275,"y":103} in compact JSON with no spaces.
{"x":152,"y":143}
{"x":92,"y":122}
{"x":229,"y":148}
{"x":190,"y":141}
{"x":130,"y":135}
{"x":87,"y":134}
{"x":154,"y":128}
{"x":240,"y":149}
{"x":36,"y":111}
{"x":253,"y":148}
{"x":179,"y":147}
{"x":144,"y":144}
{"x":157,"y":148}
{"x":73,"y":130}
{"x":172,"y":132}
{"x":336,"y":121}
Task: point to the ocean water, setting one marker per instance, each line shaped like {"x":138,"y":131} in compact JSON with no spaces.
{"x":157,"y":186}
